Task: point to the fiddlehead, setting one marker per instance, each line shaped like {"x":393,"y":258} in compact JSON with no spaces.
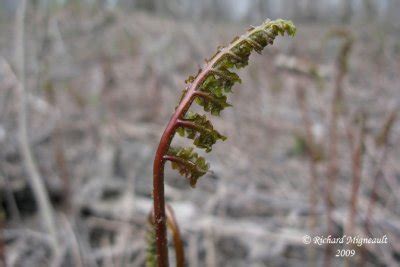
{"x":209,"y":89}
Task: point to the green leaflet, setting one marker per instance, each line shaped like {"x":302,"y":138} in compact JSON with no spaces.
{"x":214,"y":104}
{"x":188,"y":163}
{"x":151,"y":253}
{"x":203,"y":133}
{"x":281,"y":26}
{"x":220,"y":83}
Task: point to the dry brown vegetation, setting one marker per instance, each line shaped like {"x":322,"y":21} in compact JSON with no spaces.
{"x":100,"y":87}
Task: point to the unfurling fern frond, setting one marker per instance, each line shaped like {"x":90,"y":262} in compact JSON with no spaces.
{"x":209,"y":89}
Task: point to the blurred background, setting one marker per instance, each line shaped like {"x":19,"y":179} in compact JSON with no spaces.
{"x":87,"y":87}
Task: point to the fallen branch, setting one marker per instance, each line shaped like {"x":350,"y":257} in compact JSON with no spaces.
{"x":35,"y":180}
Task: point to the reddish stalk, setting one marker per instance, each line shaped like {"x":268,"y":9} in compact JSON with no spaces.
{"x":301,"y":96}
{"x":356,"y":155}
{"x":337,"y":105}
{"x":333,"y":169}
{"x":165,"y":142}
{"x":239,"y":49}
{"x":178,"y":244}
{"x":58,"y":151}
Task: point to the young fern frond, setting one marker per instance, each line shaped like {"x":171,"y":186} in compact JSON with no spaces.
{"x":212,"y":85}
{"x":209,"y":89}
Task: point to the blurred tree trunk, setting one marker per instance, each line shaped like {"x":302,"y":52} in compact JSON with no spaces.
{"x":10,"y":5}
{"x":393,"y":11}
{"x":2,"y":242}
{"x":310,"y":10}
{"x":235,"y":10}
{"x":128,"y":4}
{"x":347,"y":11}
{"x":370,"y":10}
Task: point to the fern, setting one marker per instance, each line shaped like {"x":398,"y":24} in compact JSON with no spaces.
{"x":209,"y":89}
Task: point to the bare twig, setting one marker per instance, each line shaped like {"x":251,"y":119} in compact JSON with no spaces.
{"x":209,"y":244}
{"x":356,"y":170}
{"x":356,"y":155}
{"x":193,"y":259}
{"x":11,"y":202}
{"x":74,"y":243}
{"x":36,"y":182}
{"x":2,"y":245}
{"x":301,"y":97}
{"x":337,"y":106}
{"x":382,"y":140}
{"x":178,"y":244}
{"x":58,"y":150}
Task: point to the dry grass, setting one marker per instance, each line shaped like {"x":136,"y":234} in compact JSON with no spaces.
{"x":116,"y":79}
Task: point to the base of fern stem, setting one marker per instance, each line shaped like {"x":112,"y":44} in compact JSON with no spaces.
{"x":159,"y":210}
{"x":160,"y":223}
